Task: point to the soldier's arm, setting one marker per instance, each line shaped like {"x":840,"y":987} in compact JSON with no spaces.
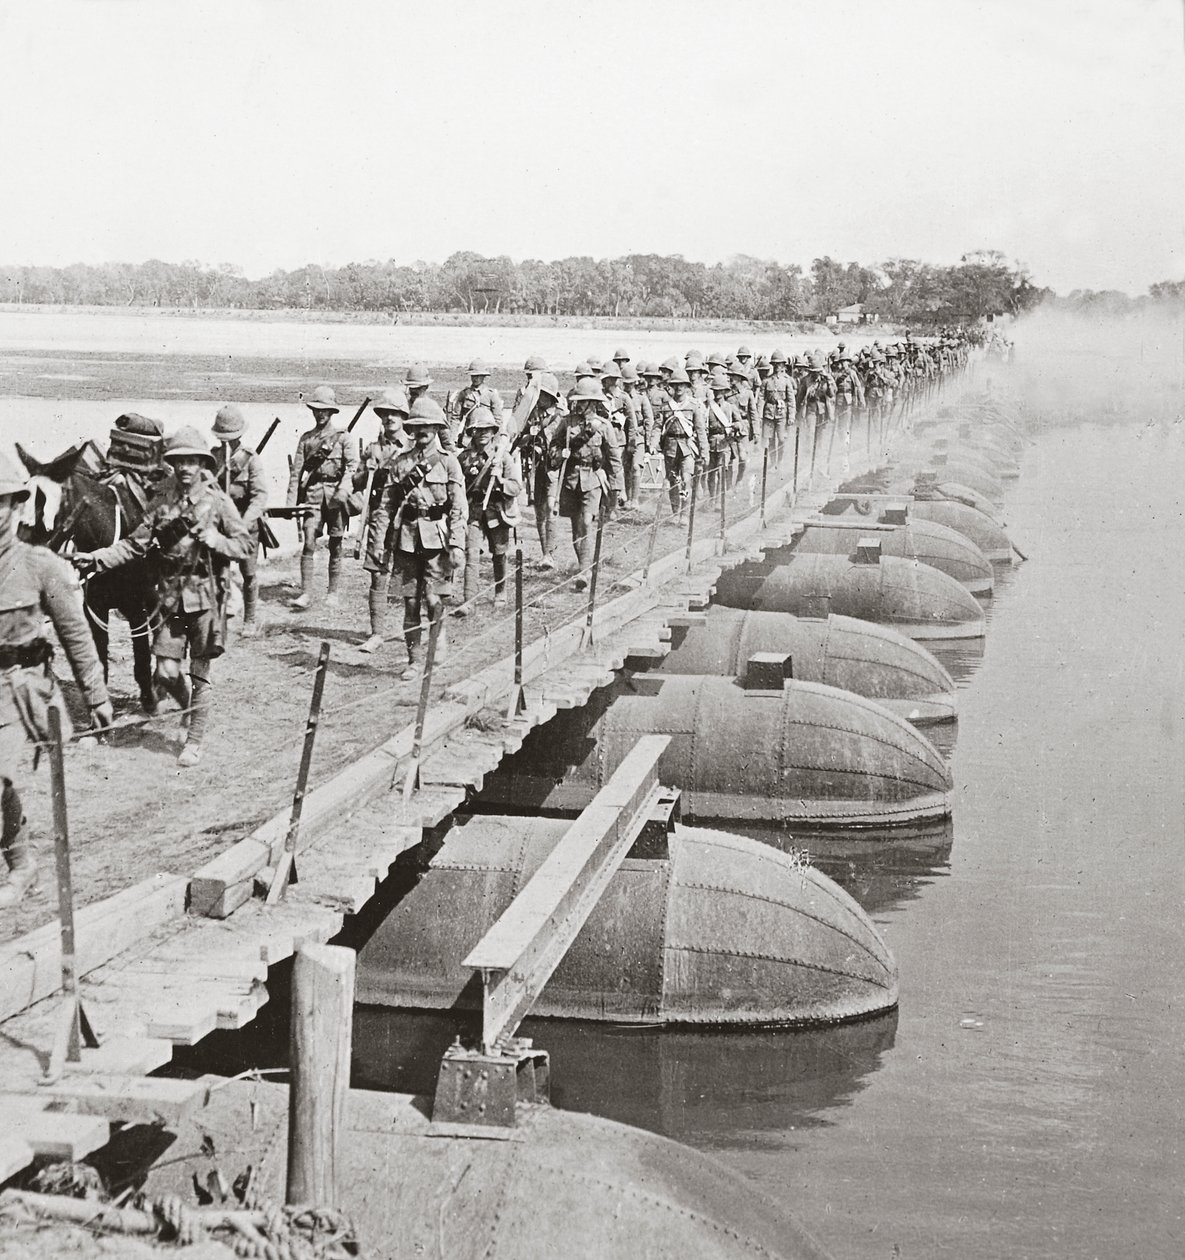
{"x":701,"y":429}
{"x":380,"y":518}
{"x":256,"y":491}
{"x":612,"y":449}
{"x":458,"y":506}
{"x":512,"y":477}
{"x":135,"y":545}
{"x":297,"y":469}
{"x":226,"y":534}
{"x":349,"y":446}
{"x":61,"y":601}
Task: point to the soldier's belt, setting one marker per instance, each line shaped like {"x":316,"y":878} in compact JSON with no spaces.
{"x":437,"y":513}
{"x":25,"y":655}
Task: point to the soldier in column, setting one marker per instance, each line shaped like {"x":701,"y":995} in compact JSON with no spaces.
{"x":585,"y":458}
{"x":374,"y":472}
{"x":697,"y":374}
{"x":239,"y":471}
{"x":778,"y":406}
{"x":533,"y":442}
{"x":534,"y":366}
{"x":322,"y":479}
{"x":631,"y":382}
{"x":623,"y":420}
{"x":682,"y":436}
{"x":744,"y":356}
{"x":747,"y":428}
{"x":722,"y":421}
{"x":492,"y":486}
{"x":196,"y":533}
{"x":417,"y":381}
{"x":37,"y":589}
{"x":849,"y":398}
{"x":476,"y":394}
{"x":419,"y":525}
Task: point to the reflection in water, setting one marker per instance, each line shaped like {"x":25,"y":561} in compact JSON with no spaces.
{"x":882,"y":872}
{"x":713,"y":1089}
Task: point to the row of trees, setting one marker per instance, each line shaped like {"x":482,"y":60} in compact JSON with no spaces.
{"x":983,"y":283}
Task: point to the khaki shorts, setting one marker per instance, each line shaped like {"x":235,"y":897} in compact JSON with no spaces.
{"x":424,"y":572}
{"x":196,"y":633}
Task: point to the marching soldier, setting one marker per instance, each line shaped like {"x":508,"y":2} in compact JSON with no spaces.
{"x":848,"y":386}
{"x":748,"y":425}
{"x":778,"y":406}
{"x":36,"y":586}
{"x":585,"y":457}
{"x":419,"y":524}
{"x":417,"y":383}
{"x":623,"y":418}
{"x":492,"y":485}
{"x":476,"y":394}
{"x":239,"y":471}
{"x":744,"y":356}
{"x":643,"y":425}
{"x":534,"y":441}
{"x":533,"y":367}
{"x":321,"y":480}
{"x":374,"y":472}
{"x":723,"y":426}
{"x":682,"y":436}
{"x":197,"y":531}
{"x":697,"y":374}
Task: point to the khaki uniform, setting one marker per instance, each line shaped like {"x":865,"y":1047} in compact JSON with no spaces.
{"x":724,"y":437}
{"x":682,"y":431}
{"x":464,"y":403}
{"x":243,"y":479}
{"x":35,"y":585}
{"x":490,"y":518}
{"x":323,"y":475}
{"x":587,"y":462}
{"x":778,"y":408}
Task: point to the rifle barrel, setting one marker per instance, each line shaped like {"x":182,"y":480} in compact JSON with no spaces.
{"x":263,"y":441}
{"x":358,"y":414}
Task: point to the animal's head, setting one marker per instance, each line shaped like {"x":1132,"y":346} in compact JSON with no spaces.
{"x":49,"y":486}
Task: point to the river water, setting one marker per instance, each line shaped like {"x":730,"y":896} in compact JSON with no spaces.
{"x":1026,"y":1098}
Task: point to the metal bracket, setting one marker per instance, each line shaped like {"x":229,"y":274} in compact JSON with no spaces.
{"x":478,"y":1094}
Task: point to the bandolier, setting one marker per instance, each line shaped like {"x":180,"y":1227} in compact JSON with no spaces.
{"x":492,"y":486}
{"x":682,"y":436}
{"x":476,"y":394}
{"x":533,"y":443}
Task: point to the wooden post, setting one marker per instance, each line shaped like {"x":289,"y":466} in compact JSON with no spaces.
{"x":653,"y":541}
{"x":723,"y":511}
{"x":764,"y":481}
{"x":587,"y":639}
{"x":286,"y":867}
{"x":691,"y":519}
{"x":517,"y":702}
{"x":319,"y":1053}
{"x":413,"y":771}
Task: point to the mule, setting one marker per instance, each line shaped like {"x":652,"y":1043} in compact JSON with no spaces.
{"x":77,"y":502}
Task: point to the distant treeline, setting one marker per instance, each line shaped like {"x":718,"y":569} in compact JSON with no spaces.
{"x":901,"y":290}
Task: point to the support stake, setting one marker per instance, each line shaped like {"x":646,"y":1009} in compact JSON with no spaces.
{"x":517,"y":703}
{"x":764,"y":482}
{"x":691,"y":519}
{"x":586,"y":639}
{"x":723,"y":513}
{"x":74,"y":1029}
{"x":286,"y":867}
{"x":653,"y":541}
{"x":413,"y":770}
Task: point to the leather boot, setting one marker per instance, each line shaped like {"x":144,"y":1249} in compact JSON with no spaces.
{"x":199,"y":719}
{"x":250,"y":607}
{"x":499,"y":582}
{"x":411,"y":636}
{"x":177,"y":689}
{"x":305,"y":598}
{"x":377,"y":601}
{"x":332,"y":599}
{"x":15,"y":844}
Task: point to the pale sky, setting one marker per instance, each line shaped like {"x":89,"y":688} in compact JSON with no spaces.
{"x":272,"y":133}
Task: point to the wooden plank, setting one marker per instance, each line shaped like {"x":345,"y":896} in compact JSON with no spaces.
{"x":124,"y":1056}
{"x":142,"y":1099}
{"x":60,"y":1134}
{"x":31,"y":965}
{"x":15,"y":1155}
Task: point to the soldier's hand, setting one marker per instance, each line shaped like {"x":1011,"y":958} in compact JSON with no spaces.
{"x":85,"y":562}
{"x":456,"y":557}
{"x":102,"y":716}
{"x":209,"y":537}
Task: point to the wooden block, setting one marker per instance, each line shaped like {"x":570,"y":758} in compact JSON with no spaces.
{"x":22,"y":1104}
{"x":15,"y":1155}
{"x":31,"y":965}
{"x":60,"y":1134}
{"x":140,"y":1099}
{"x":182,"y":1025}
{"x":124,"y":1056}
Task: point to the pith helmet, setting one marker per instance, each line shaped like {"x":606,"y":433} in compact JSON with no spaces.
{"x":482,"y":418}
{"x":670,"y":365}
{"x":322,"y":399}
{"x":587,"y":390}
{"x":582,"y":371}
{"x":815,"y":363}
{"x":478,"y":367}
{"x":417,"y":374}
{"x":621,"y":356}
{"x":391,"y":401}
{"x":762,"y":361}
{"x":679,"y":377}
{"x":651,"y":369}
{"x":694,"y":361}
{"x":629,"y":373}
{"x":716,"y":359}
{"x":595,"y":365}
{"x":719,"y":381}
{"x":12,"y":484}
{"x":736,"y":369}
{"x":549,"y":385}
{"x":188,"y":441}
{"x":778,"y":357}
{"x":426,"y":413}
{"x":535,"y":363}
{"x":610,"y":372}
{"x":229,"y":423}
{"x":744,"y":353}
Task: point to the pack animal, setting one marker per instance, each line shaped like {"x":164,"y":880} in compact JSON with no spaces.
{"x":82,"y":501}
